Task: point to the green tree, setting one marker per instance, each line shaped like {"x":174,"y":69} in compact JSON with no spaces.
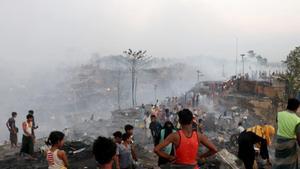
{"x":292,"y":74}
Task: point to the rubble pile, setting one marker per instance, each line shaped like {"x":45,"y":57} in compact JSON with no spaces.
{"x":228,"y":160}
{"x":79,"y":155}
{"x":220,"y":121}
{"x":79,"y":144}
{"x":80,"y":138}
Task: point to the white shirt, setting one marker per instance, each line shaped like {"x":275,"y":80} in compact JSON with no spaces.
{"x":54,"y":161}
{"x":28,"y":128}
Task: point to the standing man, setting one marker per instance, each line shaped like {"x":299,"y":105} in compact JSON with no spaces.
{"x":27,"y":140}
{"x":33,"y":123}
{"x":13,"y":130}
{"x":186,"y":142}
{"x":155,"y":128}
{"x":288,"y":135}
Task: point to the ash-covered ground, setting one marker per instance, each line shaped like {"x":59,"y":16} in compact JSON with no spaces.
{"x":220,"y":115}
{"x":78,"y":145}
{"x":80,"y":137}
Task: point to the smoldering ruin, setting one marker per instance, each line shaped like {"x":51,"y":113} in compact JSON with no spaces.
{"x":89,"y":68}
{"x":95,"y":89}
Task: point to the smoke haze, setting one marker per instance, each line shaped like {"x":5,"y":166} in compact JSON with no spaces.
{"x":44,"y":44}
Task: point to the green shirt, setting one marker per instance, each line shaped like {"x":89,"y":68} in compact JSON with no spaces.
{"x":168,"y":148}
{"x":287,"y":123}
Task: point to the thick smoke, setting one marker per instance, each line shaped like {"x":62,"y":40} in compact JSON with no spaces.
{"x":66,"y":94}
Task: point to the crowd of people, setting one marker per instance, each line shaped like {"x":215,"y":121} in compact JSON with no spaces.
{"x":178,"y":141}
{"x":176,"y":148}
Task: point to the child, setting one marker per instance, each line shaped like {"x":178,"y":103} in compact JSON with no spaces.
{"x":57,"y":159}
{"x":126,"y":155}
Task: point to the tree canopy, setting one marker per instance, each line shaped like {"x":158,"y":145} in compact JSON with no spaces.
{"x":292,"y":74}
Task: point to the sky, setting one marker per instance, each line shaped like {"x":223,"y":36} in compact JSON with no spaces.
{"x":43,"y":35}
{"x":46,"y":33}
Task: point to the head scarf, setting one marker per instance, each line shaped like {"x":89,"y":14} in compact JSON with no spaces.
{"x":269,"y":132}
{"x":265,"y":132}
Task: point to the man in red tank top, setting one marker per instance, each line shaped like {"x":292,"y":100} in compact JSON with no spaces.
{"x":186,"y":143}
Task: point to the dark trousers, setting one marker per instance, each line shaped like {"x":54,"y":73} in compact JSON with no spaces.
{"x":13,"y":138}
{"x":248,"y":163}
{"x":246,"y":150}
{"x":27,"y":145}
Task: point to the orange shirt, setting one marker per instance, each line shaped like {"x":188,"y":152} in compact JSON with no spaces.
{"x":186,"y":152}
